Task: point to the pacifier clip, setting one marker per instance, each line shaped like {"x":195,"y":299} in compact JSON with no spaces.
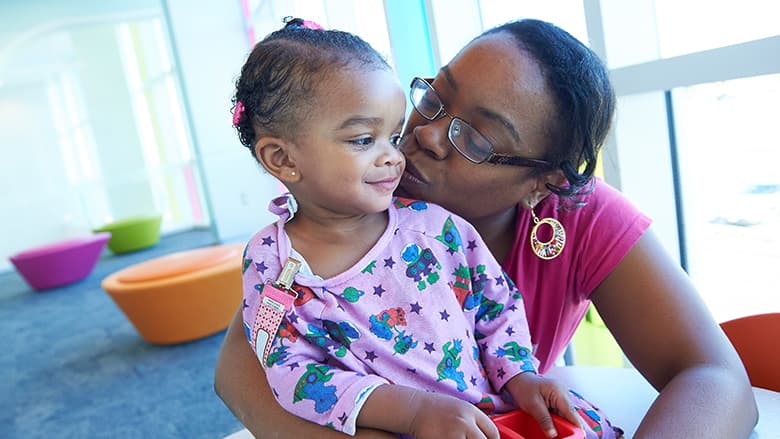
{"x":276,"y":300}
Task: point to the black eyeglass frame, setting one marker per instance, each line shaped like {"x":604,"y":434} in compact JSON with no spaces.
{"x":492,"y":157}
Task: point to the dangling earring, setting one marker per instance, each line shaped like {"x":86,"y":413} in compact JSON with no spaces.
{"x":552,"y":248}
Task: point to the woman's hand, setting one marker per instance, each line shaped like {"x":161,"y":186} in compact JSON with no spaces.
{"x":538,"y":396}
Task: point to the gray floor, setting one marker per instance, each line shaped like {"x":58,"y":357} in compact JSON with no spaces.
{"x":72,"y":366}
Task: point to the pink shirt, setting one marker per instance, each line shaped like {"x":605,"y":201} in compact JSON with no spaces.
{"x":556,"y":292}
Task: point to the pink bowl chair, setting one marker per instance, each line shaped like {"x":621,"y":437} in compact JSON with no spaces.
{"x":60,"y":263}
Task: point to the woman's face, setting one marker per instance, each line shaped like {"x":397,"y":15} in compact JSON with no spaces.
{"x":499,"y":90}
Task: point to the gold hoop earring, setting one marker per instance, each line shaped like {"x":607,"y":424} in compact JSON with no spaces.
{"x":552,"y":248}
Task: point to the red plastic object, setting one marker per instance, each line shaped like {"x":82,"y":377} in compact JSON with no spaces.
{"x":518,"y":424}
{"x":756,"y":340}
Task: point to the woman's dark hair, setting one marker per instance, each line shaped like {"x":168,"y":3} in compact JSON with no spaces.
{"x":279,"y":80}
{"x":582,"y":92}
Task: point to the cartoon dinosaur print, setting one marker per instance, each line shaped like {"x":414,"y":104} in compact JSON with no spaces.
{"x":278,"y":355}
{"x":486,"y":404}
{"x":478,"y":279}
{"x":489,"y":309}
{"x":287,"y":332}
{"x":475,"y":353}
{"x":404,"y":343}
{"x":450,"y":236}
{"x":514,"y":352}
{"x":320,"y":338}
{"x":247,"y":261}
{"x":415,"y":205}
{"x":510,"y":284}
{"x":385,"y":326}
{"x":461,"y":286}
{"x":305,"y":294}
{"x":448,"y":366}
{"x":312,"y":386}
{"x":380,"y":328}
{"x":420,"y":263}
{"x":342,"y":332}
{"x":369,"y":268}
{"x":591,"y":418}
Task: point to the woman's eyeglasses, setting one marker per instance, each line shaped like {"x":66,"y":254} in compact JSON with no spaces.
{"x":469,"y":142}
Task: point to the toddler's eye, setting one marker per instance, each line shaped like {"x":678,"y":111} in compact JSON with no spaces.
{"x":363,"y":141}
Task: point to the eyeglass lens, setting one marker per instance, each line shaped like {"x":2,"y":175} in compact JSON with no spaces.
{"x":467,"y":140}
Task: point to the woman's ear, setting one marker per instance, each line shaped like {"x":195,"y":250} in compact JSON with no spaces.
{"x":275,"y":156}
{"x":540,"y":190}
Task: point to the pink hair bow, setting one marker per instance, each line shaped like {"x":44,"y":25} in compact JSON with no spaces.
{"x":237,"y":112}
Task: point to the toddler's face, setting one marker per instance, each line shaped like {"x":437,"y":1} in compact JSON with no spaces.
{"x":347,"y":154}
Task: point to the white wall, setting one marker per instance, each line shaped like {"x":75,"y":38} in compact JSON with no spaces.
{"x":210,"y":45}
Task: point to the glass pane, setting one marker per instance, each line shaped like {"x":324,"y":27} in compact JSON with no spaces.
{"x":718,"y":23}
{"x":92,"y":127}
{"x":365,"y":18}
{"x":458,"y":21}
{"x":640,"y":31}
{"x":729,"y":152}
{"x":566,"y":14}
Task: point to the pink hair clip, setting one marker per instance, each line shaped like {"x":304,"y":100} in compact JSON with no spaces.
{"x":312,"y":25}
{"x":237,"y":112}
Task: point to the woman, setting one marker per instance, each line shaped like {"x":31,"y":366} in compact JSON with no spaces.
{"x":528,"y":106}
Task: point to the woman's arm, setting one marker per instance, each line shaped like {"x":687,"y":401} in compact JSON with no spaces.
{"x":240,"y":382}
{"x":655,"y":314}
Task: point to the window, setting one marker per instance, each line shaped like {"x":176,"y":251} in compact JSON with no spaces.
{"x":729,"y":154}
{"x":92,"y":124}
{"x":456,"y":22}
{"x":365,"y":18}
{"x":697,"y":91}
{"x":645,"y":30}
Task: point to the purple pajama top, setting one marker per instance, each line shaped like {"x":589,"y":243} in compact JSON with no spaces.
{"x":427,"y":307}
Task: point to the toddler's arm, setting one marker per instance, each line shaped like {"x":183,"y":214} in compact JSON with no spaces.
{"x":307,"y":386}
{"x":423,"y":415}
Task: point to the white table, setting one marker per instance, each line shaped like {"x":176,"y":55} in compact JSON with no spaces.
{"x":626,"y":407}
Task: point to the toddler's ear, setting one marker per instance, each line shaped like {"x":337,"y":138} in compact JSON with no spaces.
{"x":274,"y":154}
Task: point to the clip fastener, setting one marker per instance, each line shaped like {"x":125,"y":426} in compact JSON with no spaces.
{"x":287,"y":276}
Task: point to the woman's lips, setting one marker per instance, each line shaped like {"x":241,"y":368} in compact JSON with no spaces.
{"x":411,"y":175}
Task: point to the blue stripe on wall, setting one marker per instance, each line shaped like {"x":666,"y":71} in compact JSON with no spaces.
{"x":410,"y":39}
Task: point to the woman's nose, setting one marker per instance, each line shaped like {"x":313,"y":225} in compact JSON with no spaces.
{"x":429,"y":136}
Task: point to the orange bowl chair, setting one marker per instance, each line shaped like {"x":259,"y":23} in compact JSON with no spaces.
{"x":757,"y":341}
{"x":181,"y":296}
